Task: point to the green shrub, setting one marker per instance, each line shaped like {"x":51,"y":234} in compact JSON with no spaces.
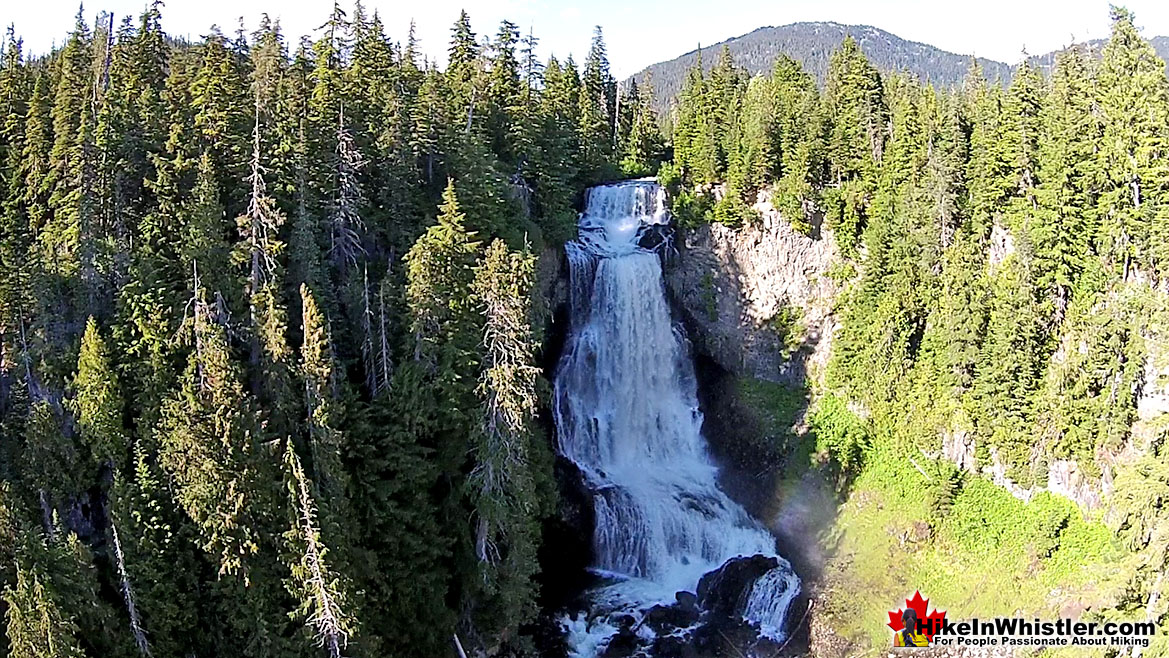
{"x":670,"y":177}
{"x":841,"y":272}
{"x":844,"y":214}
{"x":709,"y":297}
{"x":777,"y":406}
{"x":788,"y":325}
{"x":732,"y":211}
{"x":942,"y":491}
{"x":986,"y":518}
{"x":689,"y":209}
{"x":840,"y":434}
{"x":789,"y":197}
{"x":633,"y":168}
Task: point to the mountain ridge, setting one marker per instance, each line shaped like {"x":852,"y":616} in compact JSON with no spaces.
{"x":812,"y":43}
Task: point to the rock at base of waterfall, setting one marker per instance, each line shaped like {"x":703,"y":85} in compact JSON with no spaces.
{"x":729,"y":636}
{"x":724,"y":591}
{"x":664,"y":619}
{"x":568,"y":540}
{"x":625,"y":643}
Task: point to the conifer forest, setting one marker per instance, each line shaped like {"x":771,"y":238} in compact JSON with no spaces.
{"x":280,"y":317}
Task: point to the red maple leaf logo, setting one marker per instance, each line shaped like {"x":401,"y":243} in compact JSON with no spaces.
{"x":930,"y":623}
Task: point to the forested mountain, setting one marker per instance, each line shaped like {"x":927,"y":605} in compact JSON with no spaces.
{"x":812,"y":44}
{"x":1005,"y":257}
{"x":267,"y":338}
{"x":1096,"y":46}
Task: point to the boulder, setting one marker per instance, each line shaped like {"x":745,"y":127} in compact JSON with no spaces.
{"x":665,"y":619}
{"x":624,"y":643}
{"x":723,"y":592}
{"x":686,"y":600}
{"x":725,"y":636}
{"x":674,"y":646}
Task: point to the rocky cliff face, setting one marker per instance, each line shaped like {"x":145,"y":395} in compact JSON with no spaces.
{"x":757,"y":298}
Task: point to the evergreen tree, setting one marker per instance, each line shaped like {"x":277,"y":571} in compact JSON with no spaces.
{"x":886,"y":314}
{"x":1004,"y":386}
{"x":597,"y":111}
{"x":157,"y":557}
{"x":644,"y":146}
{"x":347,"y":225}
{"x":15,"y":302}
{"x":504,"y":90}
{"x":1066,"y":222}
{"x":38,"y":140}
{"x":405,"y":548}
{"x":1134,"y":104}
{"x":55,"y":464}
{"x":505,"y":479}
{"x":152,"y":430}
{"x":219,"y":100}
{"x":855,"y":106}
{"x":988,"y":171}
{"x":211,"y":446}
{"x":204,"y":244}
{"x":68,"y":228}
{"x":326,"y":440}
{"x":98,"y":405}
{"x":317,"y":587}
{"x":463,"y":49}
{"x":37,"y":627}
{"x":260,"y":245}
{"x":555,"y":162}
{"x":692,"y":152}
{"x":439,"y":274}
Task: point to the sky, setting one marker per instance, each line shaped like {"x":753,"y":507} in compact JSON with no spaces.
{"x":637,"y":32}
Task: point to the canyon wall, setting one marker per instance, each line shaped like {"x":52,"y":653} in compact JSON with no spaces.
{"x":758,"y":298}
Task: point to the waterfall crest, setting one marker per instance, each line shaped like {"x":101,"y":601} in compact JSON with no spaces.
{"x":627,"y":415}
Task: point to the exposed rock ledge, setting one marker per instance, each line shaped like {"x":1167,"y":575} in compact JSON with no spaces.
{"x":1064,"y":476}
{"x":733,"y":283}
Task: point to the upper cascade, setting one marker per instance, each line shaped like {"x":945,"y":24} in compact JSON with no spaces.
{"x":618,"y":216}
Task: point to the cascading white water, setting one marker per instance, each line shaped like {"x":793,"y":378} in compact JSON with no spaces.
{"x":627,"y":415}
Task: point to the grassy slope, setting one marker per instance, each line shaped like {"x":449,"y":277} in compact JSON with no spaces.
{"x":984,"y":553}
{"x":990,"y":555}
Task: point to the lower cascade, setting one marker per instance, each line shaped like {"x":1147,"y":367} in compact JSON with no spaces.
{"x":668,"y":543}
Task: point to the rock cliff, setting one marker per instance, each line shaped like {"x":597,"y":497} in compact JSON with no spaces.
{"x":758,"y":298}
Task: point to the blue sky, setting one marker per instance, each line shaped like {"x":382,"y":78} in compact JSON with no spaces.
{"x":639,"y":33}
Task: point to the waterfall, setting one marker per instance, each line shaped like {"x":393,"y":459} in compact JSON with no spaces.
{"x":626,"y":413}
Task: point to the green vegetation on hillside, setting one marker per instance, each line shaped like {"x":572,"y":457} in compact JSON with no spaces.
{"x":1004,"y":268}
{"x":989,"y":554}
{"x":812,"y":45}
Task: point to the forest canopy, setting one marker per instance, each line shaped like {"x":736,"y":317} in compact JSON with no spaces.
{"x":272,"y":317}
{"x":267,"y":335}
